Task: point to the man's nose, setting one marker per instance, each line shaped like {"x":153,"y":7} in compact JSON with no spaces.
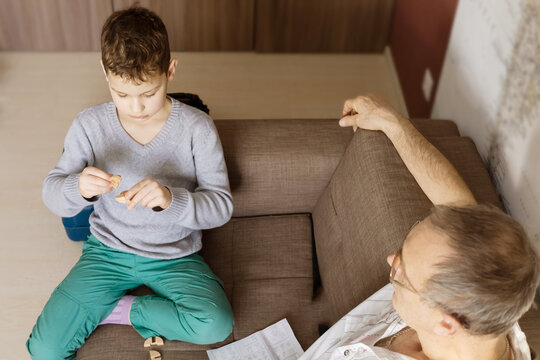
{"x":390,"y":259}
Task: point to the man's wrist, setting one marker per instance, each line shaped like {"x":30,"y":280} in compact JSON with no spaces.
{"x":395,"y":125}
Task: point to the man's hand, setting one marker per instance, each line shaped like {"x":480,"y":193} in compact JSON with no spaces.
{"x":436,"y":176}
{"x":148,"y":193}
{"x":368,"y":112}
{"x":93,"y":182}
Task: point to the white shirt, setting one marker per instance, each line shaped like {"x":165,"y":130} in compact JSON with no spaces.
{"x":353,"y":337}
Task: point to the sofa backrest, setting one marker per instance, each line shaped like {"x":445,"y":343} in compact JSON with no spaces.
{"x":280,"y":166}
{"x":367,"y":210}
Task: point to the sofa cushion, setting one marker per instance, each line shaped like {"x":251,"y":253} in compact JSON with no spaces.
{"x":265,"y":264}
{"x":272,"y":247}
{"x":368,"y":208}
{"x":259,"y":303}
{"x":273,"y":275}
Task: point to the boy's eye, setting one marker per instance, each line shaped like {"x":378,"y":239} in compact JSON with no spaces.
{"x":150,"y":95}
{"x":122,"y":96}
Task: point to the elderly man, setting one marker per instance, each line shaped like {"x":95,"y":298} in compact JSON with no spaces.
{"x":461,"y":280}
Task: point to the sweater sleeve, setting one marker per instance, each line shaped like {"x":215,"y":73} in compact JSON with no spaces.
{"x":61,"y":186}
{"x":210,"y":205}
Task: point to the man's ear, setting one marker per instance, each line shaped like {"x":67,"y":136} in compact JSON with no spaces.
{"x":172,"y":69}
{"x":448,"y":325}
{"x":104,"y":71}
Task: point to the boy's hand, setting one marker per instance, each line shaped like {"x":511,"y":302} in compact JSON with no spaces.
{"x":93,"y":182}
{"x":148,"y":193}
{"x":368,"y":112}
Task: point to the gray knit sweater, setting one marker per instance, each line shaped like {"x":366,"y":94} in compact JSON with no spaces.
{"x":186,"y":156}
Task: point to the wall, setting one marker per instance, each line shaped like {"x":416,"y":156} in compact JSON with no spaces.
{"x":418,"y":41}
{"x":490,"y":85}
{"x":298,"y":26}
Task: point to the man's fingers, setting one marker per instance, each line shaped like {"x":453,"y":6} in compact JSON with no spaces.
{"x":348,"y":120}
{"x":347,"y":107}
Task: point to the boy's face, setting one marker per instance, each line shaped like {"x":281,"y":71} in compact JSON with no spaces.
{"x":140,"y":102}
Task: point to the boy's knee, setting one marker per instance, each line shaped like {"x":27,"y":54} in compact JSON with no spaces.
{"x":61,"y":328}
{"x":41,"y":351}
{"x":216,"y":327}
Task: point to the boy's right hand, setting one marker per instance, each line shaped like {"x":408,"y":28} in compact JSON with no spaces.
{"x":93,"y":182}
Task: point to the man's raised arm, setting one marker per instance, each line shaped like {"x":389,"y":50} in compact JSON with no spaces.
{"x":436,"y":176}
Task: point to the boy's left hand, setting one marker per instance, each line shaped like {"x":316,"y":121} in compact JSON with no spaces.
{"x":148,"y":193}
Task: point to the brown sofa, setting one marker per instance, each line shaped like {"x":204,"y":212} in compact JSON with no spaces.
{"x":317,"y":210}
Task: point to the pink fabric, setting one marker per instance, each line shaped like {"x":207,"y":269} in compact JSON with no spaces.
{"x":120,"y":314}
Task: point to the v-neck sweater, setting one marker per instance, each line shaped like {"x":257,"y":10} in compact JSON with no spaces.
{"x":186,"y":156}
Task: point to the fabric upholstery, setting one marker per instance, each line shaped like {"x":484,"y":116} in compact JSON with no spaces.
{"x":280,"y":166}
{"x":436,"y":128}
{"x":363,"y":215}
{"x":272,"y":248}
{"x":273,"y":275}
{"x":259,"y":303}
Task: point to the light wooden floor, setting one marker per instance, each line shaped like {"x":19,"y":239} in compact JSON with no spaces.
{"x":40,"y":93}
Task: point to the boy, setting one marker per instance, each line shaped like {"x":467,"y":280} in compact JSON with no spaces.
{"x":173,"y":172}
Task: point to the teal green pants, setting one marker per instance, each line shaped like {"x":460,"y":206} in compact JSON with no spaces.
{"x":189,"y":302}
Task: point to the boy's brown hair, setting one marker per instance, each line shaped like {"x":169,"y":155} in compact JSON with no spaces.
{"x":135,"y":45}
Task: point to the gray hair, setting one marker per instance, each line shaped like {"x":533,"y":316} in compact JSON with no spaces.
{"x":490,"y":280}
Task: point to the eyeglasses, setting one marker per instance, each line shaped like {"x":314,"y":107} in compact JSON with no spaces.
{"x":403,"y":282}
{"x":406,"y":284}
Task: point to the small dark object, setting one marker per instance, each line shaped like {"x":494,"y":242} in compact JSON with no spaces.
{"x":191,"y":100}
{"x":323,"y":328}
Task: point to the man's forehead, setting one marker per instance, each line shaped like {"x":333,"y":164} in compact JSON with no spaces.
{"x":423,"y":248}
